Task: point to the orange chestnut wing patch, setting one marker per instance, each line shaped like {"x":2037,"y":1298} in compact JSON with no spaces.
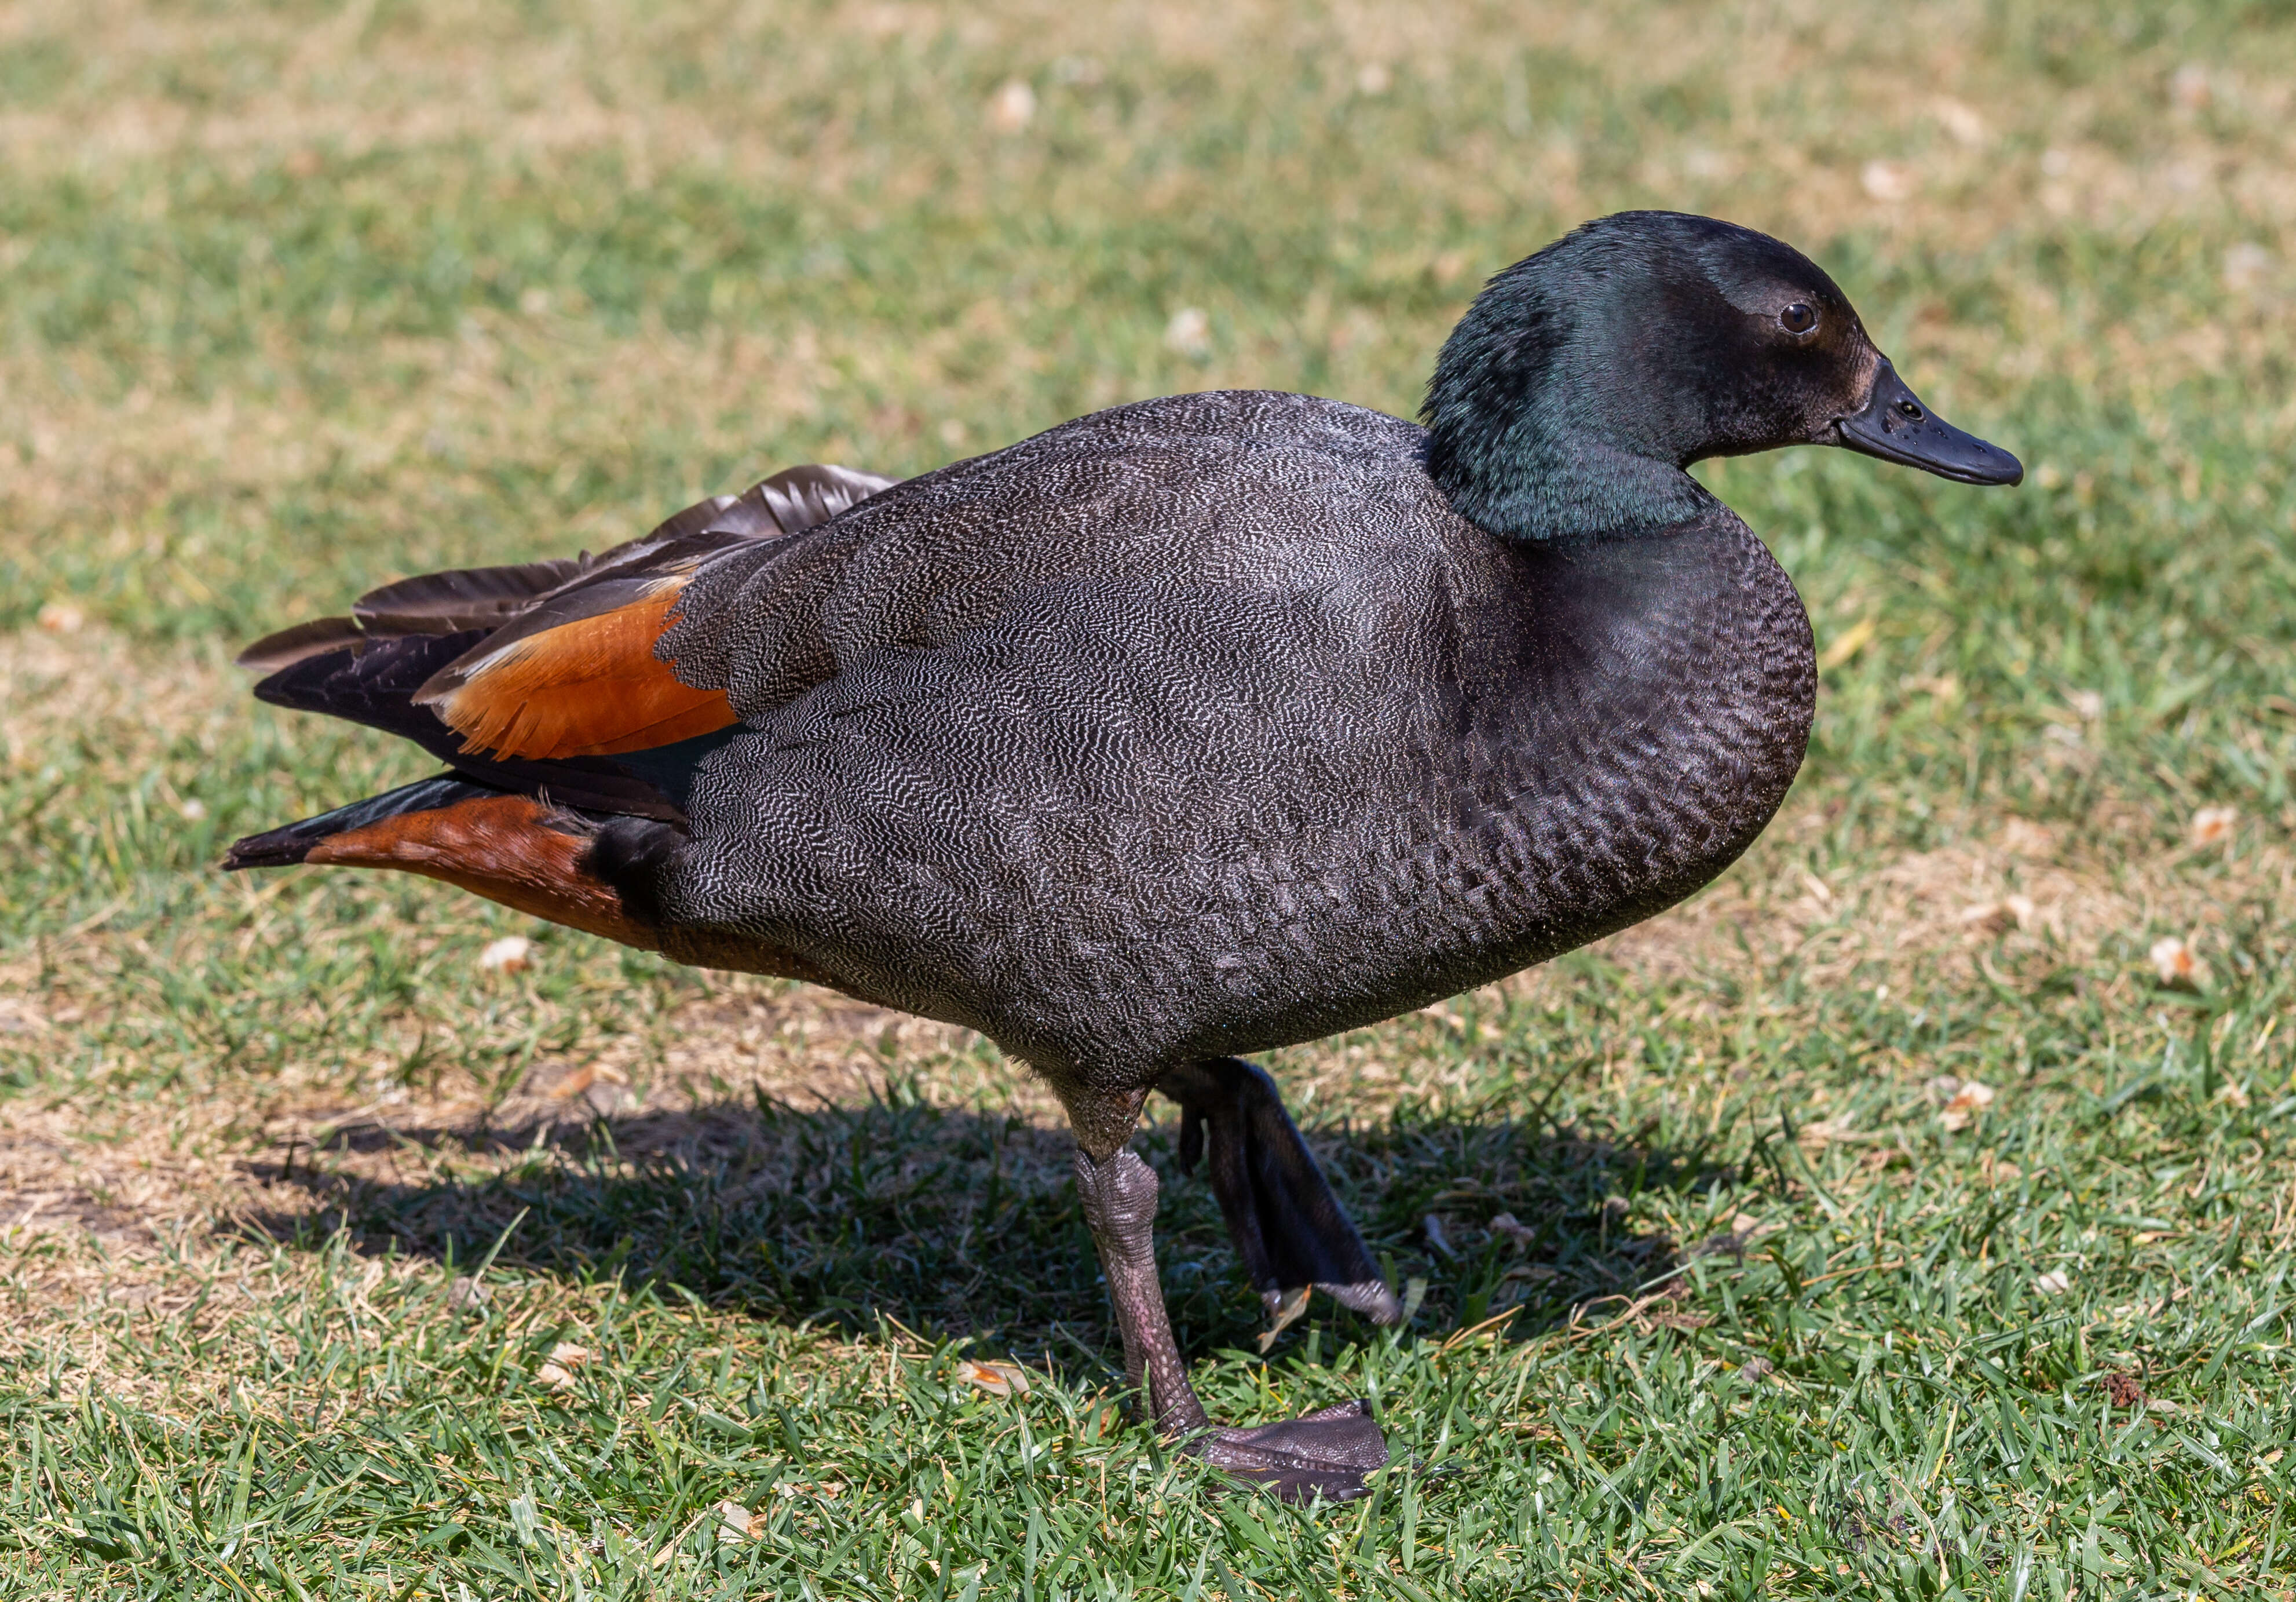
{"x":589,"y":686}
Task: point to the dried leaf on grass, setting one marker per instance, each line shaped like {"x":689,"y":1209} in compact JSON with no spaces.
{"x":1289,"y":1307}
{"x":1970,"y":1098}
{"x":1827,"y":1131}
{"x":737,"y":1523}
{"x":1012,"y":107}
{"x":999,"y":1379}
{"x":827,"y":1490}
{"x":1505,"y":1224}
{"x":2212,"y":825}
{"x":582,"y":1079}
{"x":1189,"y":332}
{"x":2178,"y":965}
{"x":557,"y":1370}
{"x":507,"y":955}
{"x":1887,"y":180}
{"x":1999,"y":917}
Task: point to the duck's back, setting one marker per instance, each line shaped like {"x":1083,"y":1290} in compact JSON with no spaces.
{"x":1195,"y":726}
{"x":1251,"y":493}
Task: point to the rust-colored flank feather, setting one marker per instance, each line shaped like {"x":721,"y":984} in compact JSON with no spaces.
{"x":591,"y":687}
{"x":502,"y":847}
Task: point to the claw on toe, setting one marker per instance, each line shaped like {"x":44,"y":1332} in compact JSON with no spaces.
{"x":1325,"y":1453}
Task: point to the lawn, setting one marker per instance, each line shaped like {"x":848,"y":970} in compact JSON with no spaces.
{"x":1901,"y":1215}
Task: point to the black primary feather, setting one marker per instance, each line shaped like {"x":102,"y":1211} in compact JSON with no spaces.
{"x":375,"y":686}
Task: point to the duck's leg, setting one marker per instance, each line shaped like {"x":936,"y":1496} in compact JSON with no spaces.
{"x":1290,"y":1231}
{"x":1119,"y":1206}
{"x":1325,"y":1453}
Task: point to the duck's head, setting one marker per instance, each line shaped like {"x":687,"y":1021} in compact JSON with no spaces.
{"x":1584,"y":379}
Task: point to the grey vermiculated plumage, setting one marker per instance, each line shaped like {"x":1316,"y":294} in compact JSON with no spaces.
{"x":1204,"y":726}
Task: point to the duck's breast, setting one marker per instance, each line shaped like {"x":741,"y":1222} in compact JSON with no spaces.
{"x":1633,"y":712}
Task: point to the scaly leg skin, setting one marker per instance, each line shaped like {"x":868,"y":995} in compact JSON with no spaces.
{"x":1290,"y":1231}
{"x":1325,"y":1453}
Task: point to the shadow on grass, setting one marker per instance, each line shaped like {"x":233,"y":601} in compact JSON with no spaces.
{"x":961,"y":1226}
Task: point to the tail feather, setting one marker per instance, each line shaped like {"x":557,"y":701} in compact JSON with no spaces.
{"x":516,"y":850}
{"x":285,"y":847}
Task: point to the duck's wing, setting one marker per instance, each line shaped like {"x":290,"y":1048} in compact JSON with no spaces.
{"x":538,"y":677}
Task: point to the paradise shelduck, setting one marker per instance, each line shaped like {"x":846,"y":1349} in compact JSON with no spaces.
{"x":1187,"y":729}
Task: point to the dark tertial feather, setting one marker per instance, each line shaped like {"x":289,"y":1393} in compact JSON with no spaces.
{"x":498,"y":598}
{"x":787,"y":502}
{"x":793,"y":499}
{"x":470,"y":597}
{"x":798,"y":497}
{"x":289,"y":646}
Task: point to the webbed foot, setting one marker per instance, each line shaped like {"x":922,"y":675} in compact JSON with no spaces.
{"x":1324,"y":1453}
{"x":1290,"y":1231}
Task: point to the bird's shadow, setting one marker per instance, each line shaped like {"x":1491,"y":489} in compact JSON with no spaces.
{"x":960,"y":1224}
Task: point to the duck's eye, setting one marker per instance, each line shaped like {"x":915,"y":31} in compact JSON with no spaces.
{"x":1800,"y":317}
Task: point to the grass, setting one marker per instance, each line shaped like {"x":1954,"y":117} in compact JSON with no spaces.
{"x":297,"y":1201}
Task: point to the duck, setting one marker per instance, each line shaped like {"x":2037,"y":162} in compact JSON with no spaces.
{"x":1178,"y":733}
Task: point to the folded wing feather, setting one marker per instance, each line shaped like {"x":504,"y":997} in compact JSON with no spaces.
{"x":565,"y":666}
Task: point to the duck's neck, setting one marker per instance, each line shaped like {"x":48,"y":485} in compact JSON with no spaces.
{"x":1554,"y":413}
{"x":1541,"y":479}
